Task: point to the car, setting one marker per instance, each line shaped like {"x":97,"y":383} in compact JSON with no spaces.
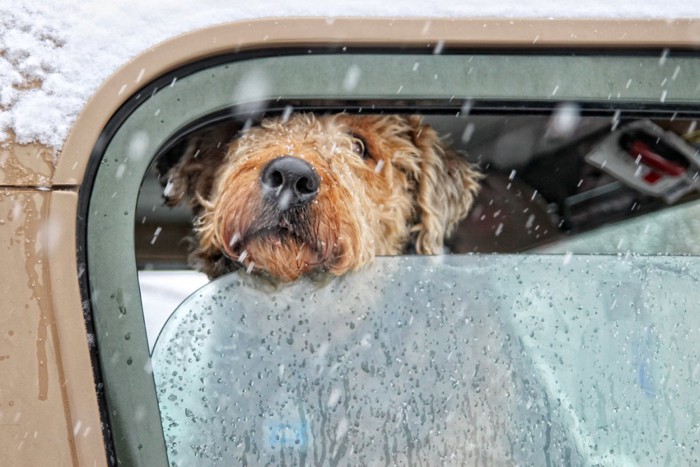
{"x":562,"y":328}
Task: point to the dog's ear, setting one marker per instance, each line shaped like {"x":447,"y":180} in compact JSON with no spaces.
{"x":191,"y":179}
{"x":447,"y":185}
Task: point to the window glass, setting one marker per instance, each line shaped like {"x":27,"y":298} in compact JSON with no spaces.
{"x":528,"y":360}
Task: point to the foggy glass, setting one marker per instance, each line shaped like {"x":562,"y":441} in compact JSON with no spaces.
{"x":466,"y":360}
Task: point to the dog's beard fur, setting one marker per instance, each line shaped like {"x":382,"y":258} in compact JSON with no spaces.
{"x":408,"y":190}
{"x":285,"y":244}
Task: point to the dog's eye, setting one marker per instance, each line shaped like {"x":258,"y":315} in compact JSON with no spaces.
{"x":359,"y":147}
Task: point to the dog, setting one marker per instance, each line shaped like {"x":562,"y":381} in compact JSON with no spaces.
{"x":295,"y":196}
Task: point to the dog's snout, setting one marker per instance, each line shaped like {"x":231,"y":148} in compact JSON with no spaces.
{"x":289,"y":181}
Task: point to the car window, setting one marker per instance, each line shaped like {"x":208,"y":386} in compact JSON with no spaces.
{"x":512,"y":359}
{"x":517,"y":116}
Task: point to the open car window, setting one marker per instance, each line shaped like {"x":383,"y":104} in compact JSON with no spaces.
{"x":549,"y":296}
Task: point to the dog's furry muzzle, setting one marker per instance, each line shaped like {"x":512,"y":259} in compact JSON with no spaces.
{"x":273,"y":228}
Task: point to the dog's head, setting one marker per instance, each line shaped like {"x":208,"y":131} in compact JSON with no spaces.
{"x":329,"y":193}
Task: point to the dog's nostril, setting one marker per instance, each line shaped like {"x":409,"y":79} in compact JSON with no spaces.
{"x":307,"y":185}
{"x":289,"y":181}
{"x":274,"y":179}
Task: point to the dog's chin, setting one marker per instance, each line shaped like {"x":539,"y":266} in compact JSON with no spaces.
{"x":280,"y":254}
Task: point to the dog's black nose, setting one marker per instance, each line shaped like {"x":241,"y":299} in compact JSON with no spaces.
{"x":289,"y":181}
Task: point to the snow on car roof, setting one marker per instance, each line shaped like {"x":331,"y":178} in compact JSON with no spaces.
{"x":54,"y":54}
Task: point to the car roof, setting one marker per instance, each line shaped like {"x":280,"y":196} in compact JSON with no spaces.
{"x":431,"y":33}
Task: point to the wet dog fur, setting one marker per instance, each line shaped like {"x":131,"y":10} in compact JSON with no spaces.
{"x":370,"y":185}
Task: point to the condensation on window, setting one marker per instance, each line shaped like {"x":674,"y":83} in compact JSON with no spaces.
{"x":459,"y":360}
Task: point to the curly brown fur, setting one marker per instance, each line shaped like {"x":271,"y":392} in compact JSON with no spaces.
{"x":408,"y":189}
{"x":193,"y":175}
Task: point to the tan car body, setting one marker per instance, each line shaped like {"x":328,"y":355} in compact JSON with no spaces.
{"x":49,"y":413}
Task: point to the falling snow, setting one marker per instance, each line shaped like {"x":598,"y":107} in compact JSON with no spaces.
{"x":352,"y":77}
{"x":564,"y":121}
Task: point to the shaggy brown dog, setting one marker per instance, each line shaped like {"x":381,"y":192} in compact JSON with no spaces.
{"x":320,"y":193}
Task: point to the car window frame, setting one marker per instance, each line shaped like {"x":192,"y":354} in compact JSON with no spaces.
{"x":142,"y":442}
